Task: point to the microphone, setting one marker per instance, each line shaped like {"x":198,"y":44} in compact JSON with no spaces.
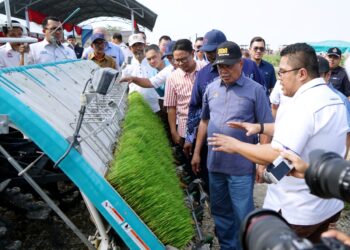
{"x":53,"y":40}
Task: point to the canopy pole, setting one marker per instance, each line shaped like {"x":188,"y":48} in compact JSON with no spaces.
{"x":27,"y":19}
{"x":132,"y":21}
{"x":8,"y":13}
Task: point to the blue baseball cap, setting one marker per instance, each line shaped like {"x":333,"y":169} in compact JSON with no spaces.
{"x":212,"y":40}
{"x":97,"y":36}
{"x":169,"y":49}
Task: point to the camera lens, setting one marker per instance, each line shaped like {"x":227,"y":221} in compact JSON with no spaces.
{"x":328,"y":175}
{"x":265,"y":229}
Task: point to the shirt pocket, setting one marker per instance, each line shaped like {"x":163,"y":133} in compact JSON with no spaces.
{"x":241,"y":109}
{"x":335,"y":81}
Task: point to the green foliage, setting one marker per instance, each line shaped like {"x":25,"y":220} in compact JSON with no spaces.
{"x":274,"y":59}
{"x":143,"y":172}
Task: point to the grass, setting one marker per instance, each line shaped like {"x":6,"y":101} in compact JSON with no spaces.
{"x":274,"y":59}
{"x":143,"y":172}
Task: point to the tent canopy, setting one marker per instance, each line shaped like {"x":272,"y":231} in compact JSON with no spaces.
{"x":88,"y":9}
{"x":325,"y":45}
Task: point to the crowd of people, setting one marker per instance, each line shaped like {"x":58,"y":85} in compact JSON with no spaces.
{"x":228,"y":114}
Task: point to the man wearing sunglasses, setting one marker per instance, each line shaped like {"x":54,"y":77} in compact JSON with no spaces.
{"x":199,"y":54}
{"x":51,"y":48}
{"x":257,"y":50}
{"x":338,"y":79}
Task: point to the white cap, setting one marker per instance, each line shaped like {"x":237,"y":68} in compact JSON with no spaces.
{"x":136,"y":38}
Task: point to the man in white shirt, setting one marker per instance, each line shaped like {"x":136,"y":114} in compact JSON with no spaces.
{"x":117,"y":39}
{"x":13,"y":54}
{"x":315,"y":118}
{"x":139,"y":67}
{"x":51,"y":48}
{"x":160,"y":78}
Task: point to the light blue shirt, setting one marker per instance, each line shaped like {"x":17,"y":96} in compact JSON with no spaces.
{"x":246,"y":101}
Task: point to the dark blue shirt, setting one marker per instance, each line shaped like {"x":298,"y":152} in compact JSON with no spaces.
{"x":268,"y":72}
{"x":246,"y":101}
{"x":251,"y":70}
{"x":340,"y":80}
{"x":204,"y":77}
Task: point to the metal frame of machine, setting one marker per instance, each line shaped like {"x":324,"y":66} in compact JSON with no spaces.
{"x":46,"y":112}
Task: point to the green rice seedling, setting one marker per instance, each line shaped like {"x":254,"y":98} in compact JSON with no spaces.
{"x":143,"y":172}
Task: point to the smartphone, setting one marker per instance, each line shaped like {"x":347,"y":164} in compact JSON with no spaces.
{"x":280,"y":168}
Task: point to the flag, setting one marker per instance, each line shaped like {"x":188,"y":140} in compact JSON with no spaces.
{"x":85,"y":34}
{"x":78,"y":30}
{"x":36,"y":16}
{"x":136,"y":27}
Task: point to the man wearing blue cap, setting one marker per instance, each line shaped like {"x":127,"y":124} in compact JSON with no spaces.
{"x":233,"y":96}
{"x":98,"y":54}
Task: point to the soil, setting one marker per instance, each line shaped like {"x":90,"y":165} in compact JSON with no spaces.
{"x":54,"y":234}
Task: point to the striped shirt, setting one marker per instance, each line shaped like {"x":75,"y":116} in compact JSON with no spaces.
{"x":178,"y":89}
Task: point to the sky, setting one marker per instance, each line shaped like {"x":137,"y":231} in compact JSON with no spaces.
{"x":278,"y":21}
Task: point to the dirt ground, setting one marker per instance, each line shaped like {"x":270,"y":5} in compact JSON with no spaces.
{"x":54,"y":234}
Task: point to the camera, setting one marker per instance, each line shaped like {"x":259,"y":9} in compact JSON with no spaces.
{"x":328,"y":175}
{"x":265,"y":229}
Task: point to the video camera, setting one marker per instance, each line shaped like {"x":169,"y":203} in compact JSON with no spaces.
{"x":328,"y":176}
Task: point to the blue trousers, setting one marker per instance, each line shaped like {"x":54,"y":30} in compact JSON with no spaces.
{"x":231,"y":199}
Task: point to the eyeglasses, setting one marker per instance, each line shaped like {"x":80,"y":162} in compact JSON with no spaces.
{"x":262,"y":49}
{"x":280,"y":73}
{"x":182,"y":60}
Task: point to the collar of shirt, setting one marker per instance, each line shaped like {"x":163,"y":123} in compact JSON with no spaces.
{"x":108,"y":46}
{"x":8,"y":47}
{"x":239,"y":82}
{"x":136,"y":62}
{"x":93,"y":56}
{"x":336,"y":70}
{"x":143,"y":66}
{"x":198,"y":67}
{"x":47,"y":43}
{"x":310,"y":84}
{"x":262,"y":63}
{"x":213,"y":68}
